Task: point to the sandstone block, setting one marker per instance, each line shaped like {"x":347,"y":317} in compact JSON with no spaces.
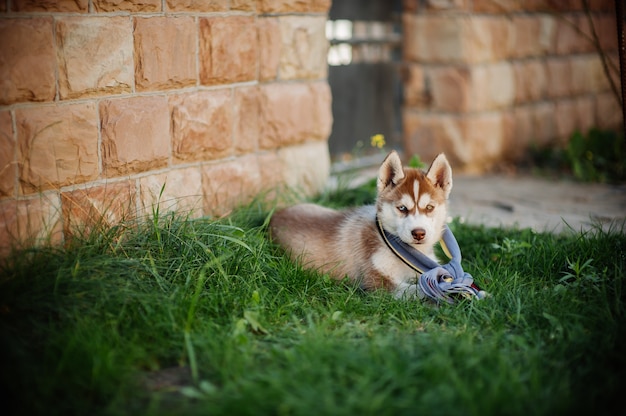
{"x":613,"y":63}
{"x":608,"y":113}
{"x":547,"y":34}
{"x":493,"y":86}
{"x":243,"y":5}
{"x":305,"y":167}
{"x":605,"y":27}
{"x":486,"y":39}
{"x":197,"y":5}
{"x":165,"y":52}
{"x":559,"y":77}
{"x":522,"y":130}
{"x":602,"y":6}
{"x":135,"y":134}
{"x":294,"y":113}
{"x":304,"y":47}
{"x":95,"y":55}
{"x":447,"y":5}
{"x":8,"y":164}
{"x":411,"y":51}
{"x":30,"y":222}
{"x":416,"y":91}
{"x":497,"y":7}
{"x":320,"y":6}
{"x":502,"y":38}
{"x":57,"y":146}
{"x":272,"y":181}
{"x":27,"y":60}
{"x":568,"y":36}
{"x":72,"y":6}
{"x":450,"y":88}
{"x":477,"y":88}
{"x":513,"y":149}
{"x":133,"y":6}
{"x":584,"y":34}
{"x":293,"y":6}
{"x":456,"y":38}
{"x":270,"y":43}
{"x":419,"y":32}
{"x":472,"y":143}
{"x":544,"y":124}
{"x":178,"y":190}
{"x":98,"y":208}
{"x":484,"y":134}
{"x":228,"y":50}
{"x":246,"y":114}
{"x":526,"y":28}
{"x":588,"y":74}
{"x":531,"y":81}
{"x":428,"y":134}
{"x":519,"y":71}
{"x":534,"y":35}
{"x":202,"y":125}
{"x":553,"y":6}
{"x":230,"y":184}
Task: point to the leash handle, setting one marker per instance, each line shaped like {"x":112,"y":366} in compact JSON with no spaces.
{"x":438,"y":282}
{"x":449,"y":245}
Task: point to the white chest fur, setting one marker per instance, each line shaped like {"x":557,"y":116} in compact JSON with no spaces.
{"x":403,"y":277}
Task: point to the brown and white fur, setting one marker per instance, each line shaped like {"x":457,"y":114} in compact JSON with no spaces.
{"x":410,"y":204}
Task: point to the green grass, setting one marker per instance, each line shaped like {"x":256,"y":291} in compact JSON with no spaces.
{"x":231,"y":327}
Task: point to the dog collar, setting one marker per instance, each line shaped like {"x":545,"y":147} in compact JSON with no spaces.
{"x":436,"y":281}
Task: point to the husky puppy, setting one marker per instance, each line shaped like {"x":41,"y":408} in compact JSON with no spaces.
{"x":410,"y":204}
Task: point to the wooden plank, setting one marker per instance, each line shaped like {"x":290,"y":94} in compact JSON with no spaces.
{"x":378,"y":10}
{"x":366,"y":101}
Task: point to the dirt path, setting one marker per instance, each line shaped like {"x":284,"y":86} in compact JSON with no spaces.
{"x":541,"y":204}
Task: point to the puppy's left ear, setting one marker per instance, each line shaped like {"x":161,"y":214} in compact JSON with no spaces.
{"x":440,"y":174}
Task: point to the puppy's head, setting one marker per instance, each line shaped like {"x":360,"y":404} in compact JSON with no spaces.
{"x":412,"y":204}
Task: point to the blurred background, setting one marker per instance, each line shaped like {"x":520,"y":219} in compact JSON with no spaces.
{"x":496,"y":84}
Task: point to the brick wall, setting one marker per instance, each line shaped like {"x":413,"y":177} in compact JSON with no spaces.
{"x":108,"y":107}
{"x":485,"y":79}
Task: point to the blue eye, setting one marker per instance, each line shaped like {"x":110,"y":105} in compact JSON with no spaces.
{"x":402,"y":208}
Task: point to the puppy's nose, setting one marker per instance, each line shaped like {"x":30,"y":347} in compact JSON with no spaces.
{"x":418,"y":234}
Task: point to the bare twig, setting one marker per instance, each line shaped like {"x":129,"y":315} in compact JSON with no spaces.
{"x":603,"y":55}
{"x":619,"y":17}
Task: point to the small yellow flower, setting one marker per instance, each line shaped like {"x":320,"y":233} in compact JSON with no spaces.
{"x":378,"y":140}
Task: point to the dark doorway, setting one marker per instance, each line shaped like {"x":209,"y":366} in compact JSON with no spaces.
{"x":364,"y":76}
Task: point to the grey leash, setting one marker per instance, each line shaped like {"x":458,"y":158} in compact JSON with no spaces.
{"x":439,"y":282}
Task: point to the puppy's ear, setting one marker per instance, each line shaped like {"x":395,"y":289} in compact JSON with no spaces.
{"x":440,"y":174}
{"x":390,"y":172}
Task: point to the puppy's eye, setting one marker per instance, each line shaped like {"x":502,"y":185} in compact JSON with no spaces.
{"x":429,"y":207}
{"x":402,"y":209}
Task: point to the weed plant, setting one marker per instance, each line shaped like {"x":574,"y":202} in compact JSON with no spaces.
{"x":201,"y":317}
{"x":596,"y":156}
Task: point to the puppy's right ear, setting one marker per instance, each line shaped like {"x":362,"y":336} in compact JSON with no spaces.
{"x":390,"y":172}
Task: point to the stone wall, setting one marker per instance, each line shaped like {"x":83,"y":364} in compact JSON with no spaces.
{"x":486,"y":79}
{"x":109,"y":108}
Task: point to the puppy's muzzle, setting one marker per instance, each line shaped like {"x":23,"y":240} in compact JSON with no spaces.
{"x":419,"y":234}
